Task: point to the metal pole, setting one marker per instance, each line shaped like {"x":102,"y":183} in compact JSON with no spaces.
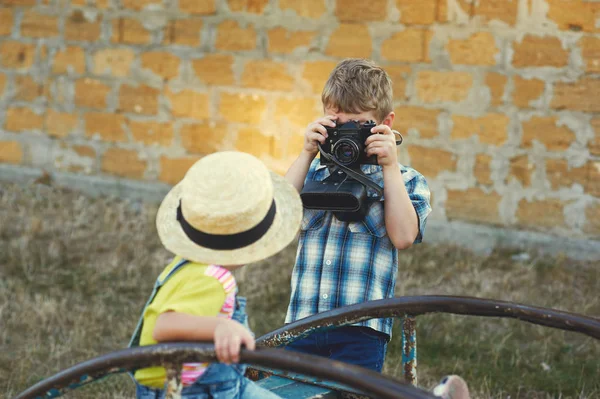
{"x":409,"y":349}
{"x":174,"y":385}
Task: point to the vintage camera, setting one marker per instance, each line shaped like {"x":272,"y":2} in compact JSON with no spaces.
{"x":344,"y":192}
{"x":346,"y":143}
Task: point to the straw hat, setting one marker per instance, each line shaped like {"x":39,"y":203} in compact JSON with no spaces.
{"x":229,"y":210}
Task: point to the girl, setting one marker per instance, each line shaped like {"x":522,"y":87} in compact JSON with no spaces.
{"x":228,"y":210}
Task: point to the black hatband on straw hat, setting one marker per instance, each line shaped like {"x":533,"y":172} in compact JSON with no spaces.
{"x":227,"y":241}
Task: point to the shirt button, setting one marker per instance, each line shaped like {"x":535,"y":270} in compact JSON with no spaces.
{"x":328,"y":262}
{"x":325,"y":296}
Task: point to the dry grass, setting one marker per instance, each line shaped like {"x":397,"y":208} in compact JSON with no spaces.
{"x":75,"y":272}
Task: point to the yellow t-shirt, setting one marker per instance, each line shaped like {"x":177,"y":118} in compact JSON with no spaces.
{"x":189,"y":291}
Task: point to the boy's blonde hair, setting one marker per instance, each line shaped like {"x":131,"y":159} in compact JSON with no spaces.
{"x":358,"y":85}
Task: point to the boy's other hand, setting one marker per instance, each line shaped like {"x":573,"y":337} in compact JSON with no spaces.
{"x":316,"y":133}
{"x":229,"y":337}
{"x":382,"y":142}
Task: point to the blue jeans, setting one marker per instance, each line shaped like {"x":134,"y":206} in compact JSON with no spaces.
{"x":219,"y":381}
{"x":236,"y":388}
{"x":361,"y":346}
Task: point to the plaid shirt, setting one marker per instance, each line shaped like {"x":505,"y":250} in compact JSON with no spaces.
{"x":344,"y":263}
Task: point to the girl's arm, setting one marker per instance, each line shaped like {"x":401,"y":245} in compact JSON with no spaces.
{"x":228,"y":335}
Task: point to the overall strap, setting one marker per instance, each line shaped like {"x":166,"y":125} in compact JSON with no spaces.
{"x":135,"y":338}
{"x":177,"y":267}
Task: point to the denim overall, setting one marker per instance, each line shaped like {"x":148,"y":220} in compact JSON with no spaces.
{"x":219,"y":381}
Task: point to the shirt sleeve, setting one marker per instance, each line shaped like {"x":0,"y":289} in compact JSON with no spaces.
{"x":192,"y":292}
{"x":310,"y":175}
{"x":419,"y":194}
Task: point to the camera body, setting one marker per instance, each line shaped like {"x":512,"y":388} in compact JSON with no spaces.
{"x":346,"y":143}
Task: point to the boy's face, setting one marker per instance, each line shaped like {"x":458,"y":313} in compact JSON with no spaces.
{"x":343,"y":117}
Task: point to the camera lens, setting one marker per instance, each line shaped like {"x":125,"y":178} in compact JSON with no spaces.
{"x":346,"y":151}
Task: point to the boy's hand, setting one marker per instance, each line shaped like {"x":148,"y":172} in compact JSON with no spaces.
{"x":382,"y":142}
{"x":229,"y":337}
{"x":316,"y":133}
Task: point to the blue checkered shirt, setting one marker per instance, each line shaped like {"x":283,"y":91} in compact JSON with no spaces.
{"x":344,"y":263}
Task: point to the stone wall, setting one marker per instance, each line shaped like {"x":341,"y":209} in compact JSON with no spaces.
{"x":499,"y":100}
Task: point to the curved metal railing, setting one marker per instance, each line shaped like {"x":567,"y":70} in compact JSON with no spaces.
{"x":410,"y":306}
{"x":420,"y":305}
{"x":172,"y":355}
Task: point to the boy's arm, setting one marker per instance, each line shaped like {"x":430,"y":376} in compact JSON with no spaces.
{"x":401,"y":220}
{"x":228,"y":335}
{"x":315,"y":133}
{"x":296,"y":174}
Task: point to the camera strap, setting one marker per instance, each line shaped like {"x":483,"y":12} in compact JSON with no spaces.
{"x":398,"y":135}
{"x":358,"y":176}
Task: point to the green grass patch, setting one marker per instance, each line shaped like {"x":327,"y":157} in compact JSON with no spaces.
{"x":75,"y":272}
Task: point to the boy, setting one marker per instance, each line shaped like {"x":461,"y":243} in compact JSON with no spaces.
{"x":344,"y":263}
{"x":228,"y":210}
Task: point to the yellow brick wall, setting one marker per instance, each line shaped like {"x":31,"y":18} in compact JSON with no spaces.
{"x":498,"y":99}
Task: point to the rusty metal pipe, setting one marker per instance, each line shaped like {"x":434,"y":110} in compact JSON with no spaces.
{"x":409,"y":349}
{"x":419,"y":305}
{"x":367,"y":381}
